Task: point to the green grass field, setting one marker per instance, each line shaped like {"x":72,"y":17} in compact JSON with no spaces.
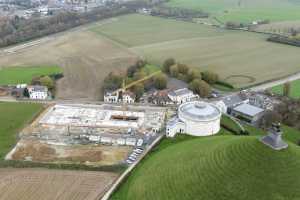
{"x":295,"y":89}
{"x":150,"y":69}
{"x":290,"y":134}
{"x":214,"y":168}
{"x":245,"y":10}
{"x":13,"y":116}
{"x":241,"y":58}
{"x":18,"y":75}
{"x":136,"y":30}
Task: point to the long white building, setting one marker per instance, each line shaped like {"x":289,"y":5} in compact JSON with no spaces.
{"x":195,"y":118}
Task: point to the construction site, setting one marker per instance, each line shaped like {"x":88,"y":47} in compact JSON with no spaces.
{"x":88,"y":134}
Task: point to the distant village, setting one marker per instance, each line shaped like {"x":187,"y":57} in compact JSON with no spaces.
{"x":43,"y":8}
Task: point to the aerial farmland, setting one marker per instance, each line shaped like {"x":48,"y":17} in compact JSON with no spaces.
{"x":245,"y":10}
{"x":240,"y":58}
{"x":87,"y":55}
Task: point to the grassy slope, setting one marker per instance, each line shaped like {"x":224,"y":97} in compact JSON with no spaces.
{"x":226,"y":52}
{"x":295,"y":89}
{"x":290,"y":134}
{"x":13,"y":116}
{"x":17,"y":75}
{"x":250,"y":10}
{"x":223,"y":167}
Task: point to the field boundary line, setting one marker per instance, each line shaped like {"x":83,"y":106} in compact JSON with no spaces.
{"x":174,"y":41}
{"x":127,"y":172}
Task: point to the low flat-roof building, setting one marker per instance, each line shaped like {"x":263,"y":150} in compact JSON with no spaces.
{"x":233,"y":101}
{"x":248,"y":113}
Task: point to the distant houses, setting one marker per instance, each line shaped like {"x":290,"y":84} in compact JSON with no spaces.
{"x":128,"y":97}
{"x":111,"y":96}
{"x":157,"y":97}
{"x":160,"y":97}
{"x":116,"y":97}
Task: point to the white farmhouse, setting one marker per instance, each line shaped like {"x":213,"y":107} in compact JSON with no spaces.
{"x":37,"y":92}
{"x":182,"y":95}
{"x":128,"y":97}
{"x":111,"y":96}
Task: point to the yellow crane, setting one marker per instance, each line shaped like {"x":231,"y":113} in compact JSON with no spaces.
{"x":125,"y":87}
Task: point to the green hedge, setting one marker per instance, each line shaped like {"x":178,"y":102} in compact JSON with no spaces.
{"x":29,"y":164}
{"x":225,"y":84}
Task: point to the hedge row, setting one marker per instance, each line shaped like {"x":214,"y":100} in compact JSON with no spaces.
{"x":28,"y":164}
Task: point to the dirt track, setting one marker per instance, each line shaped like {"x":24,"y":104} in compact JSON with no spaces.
{"x":42,"y":184}
{"x":85,"y":57}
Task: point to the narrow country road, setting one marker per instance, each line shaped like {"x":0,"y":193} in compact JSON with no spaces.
{"x":271,"y":84}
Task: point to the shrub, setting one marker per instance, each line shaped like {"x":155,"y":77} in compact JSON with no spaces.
{"x":182,"y":68}
{"x":167,"y":64}
{"x":160,"y":81}
{"x":200,"y":87}
{"x":210,"y":77}
{"x":192,"y":74}
{"x":174,"y":71}
{"x":225,"y":84}
{"x":48,"y":82}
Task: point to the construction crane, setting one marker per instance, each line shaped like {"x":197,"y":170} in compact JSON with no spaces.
{"x":125,"y":87}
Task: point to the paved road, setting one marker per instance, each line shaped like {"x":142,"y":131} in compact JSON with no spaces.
{"x":271,"y":84}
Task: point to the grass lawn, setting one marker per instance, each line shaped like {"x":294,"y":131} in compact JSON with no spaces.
{"x":230,"y":124}
{"x":150,"y":69}
{"x":13,"y":117}
{"x":240,"y":58}
{"x":214,"y":168}
{"x":244,"y":11}
{"x":289,"y":134}
{"x":295,"y":89}
{"x":18,"y":75}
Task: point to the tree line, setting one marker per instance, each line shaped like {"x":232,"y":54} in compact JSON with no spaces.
{"x":16,"y":30}
{"x":291,"y":40}
{"x":135,"y":72}
{"x":175,"y":12}
{"x":199,"y":82}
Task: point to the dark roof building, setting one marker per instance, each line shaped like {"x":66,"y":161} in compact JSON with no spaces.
{"x":248,"y":113}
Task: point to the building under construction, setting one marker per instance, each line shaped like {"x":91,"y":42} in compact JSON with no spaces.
{"x":109,"y":124}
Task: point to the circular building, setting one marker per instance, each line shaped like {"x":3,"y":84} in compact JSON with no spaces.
{"x":195,"y":118}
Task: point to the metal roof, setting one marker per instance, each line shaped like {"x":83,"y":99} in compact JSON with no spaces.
{"x":248,"y":109}
{"x":232,"y":100}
